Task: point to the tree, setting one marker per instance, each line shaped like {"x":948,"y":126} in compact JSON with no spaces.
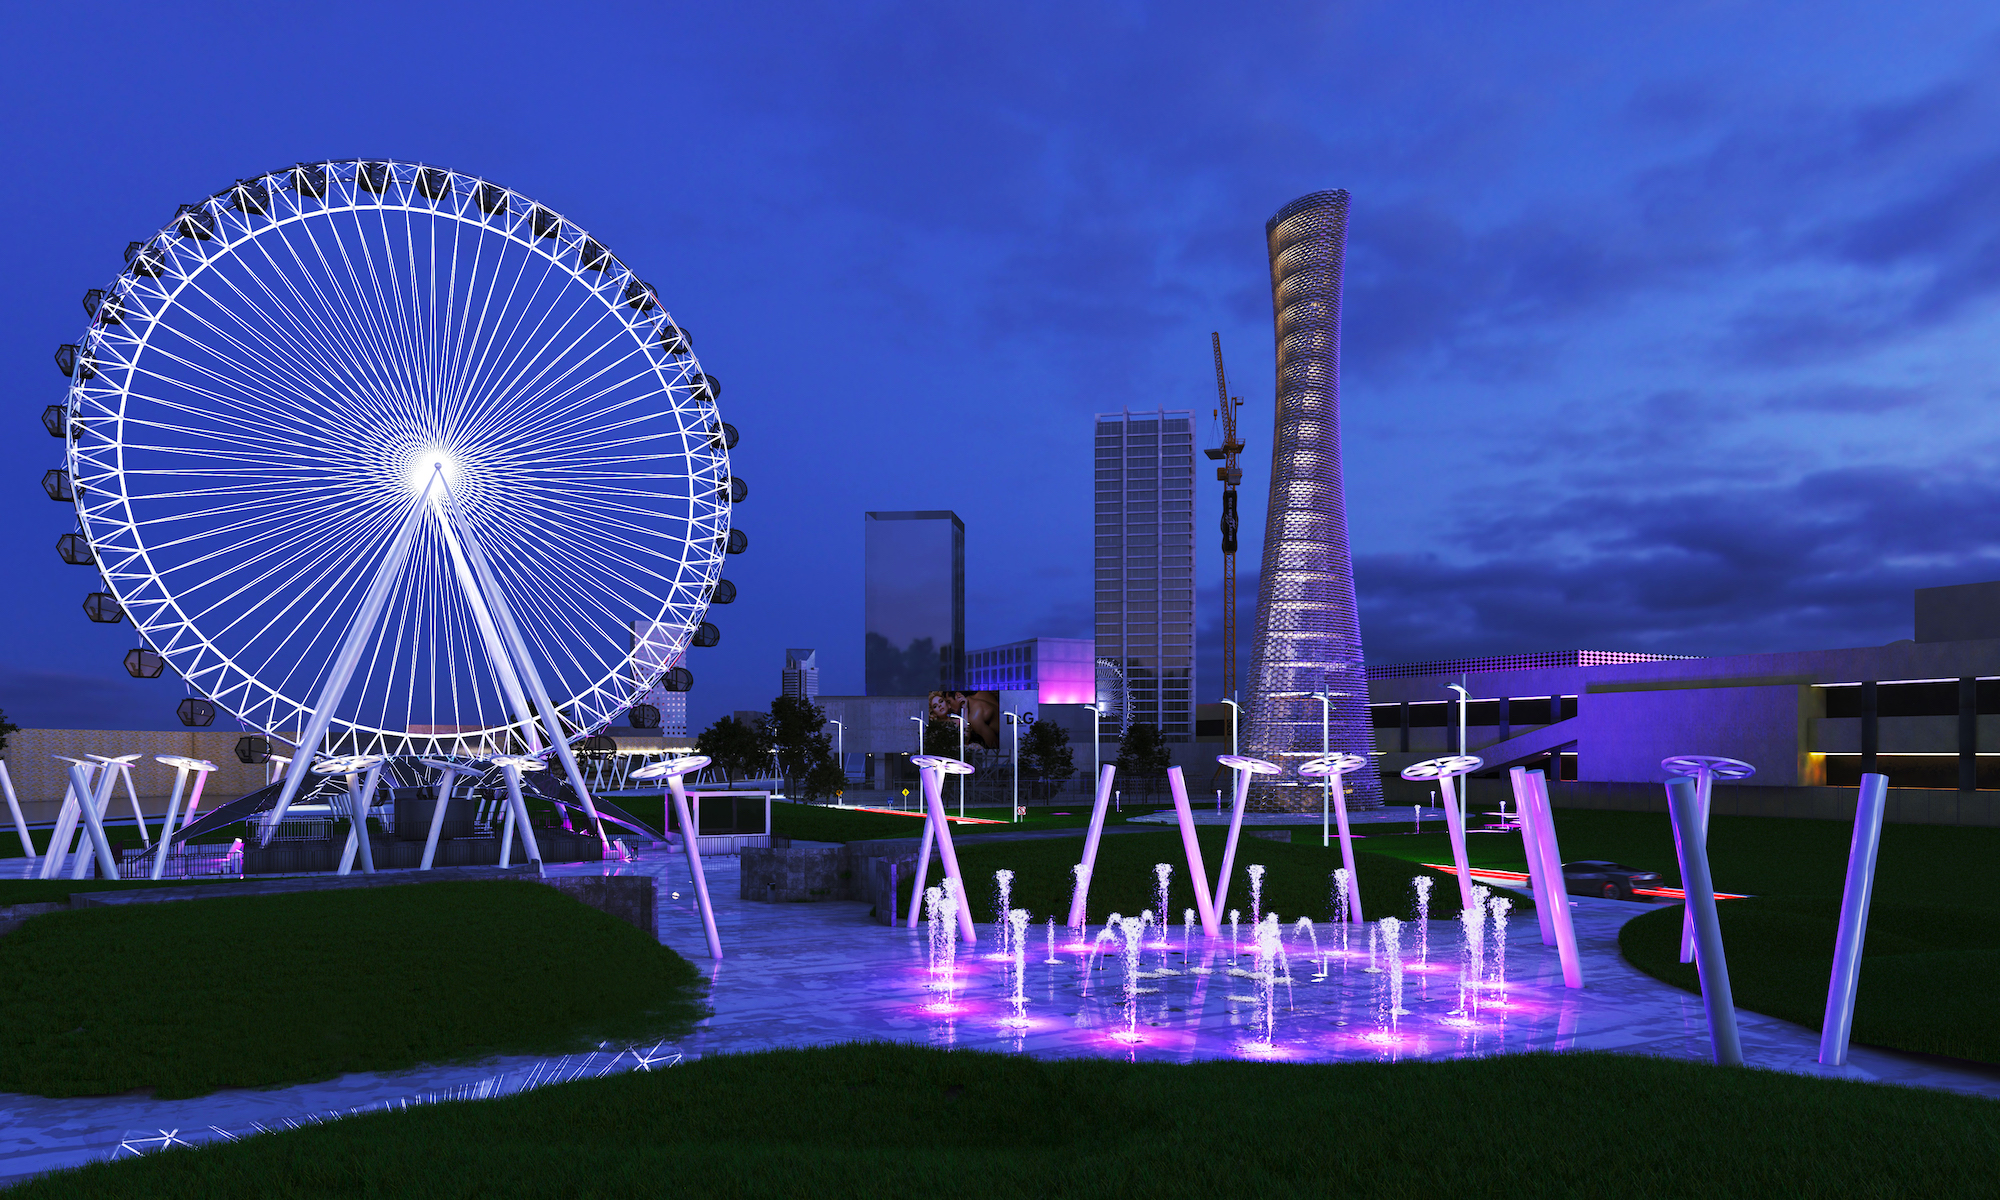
{"x":737,"y":747}
{"x":797,"y":730}
{"x":1143,"y":756}
{"x":1046,"y":759}
{"x":6,"y":728}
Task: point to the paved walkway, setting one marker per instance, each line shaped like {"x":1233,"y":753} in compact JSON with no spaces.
{"x":814,"y":974}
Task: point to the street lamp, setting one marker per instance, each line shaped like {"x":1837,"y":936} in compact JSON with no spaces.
{"x":1014,"y":719}
{"x":1464,"y":702}
{"x":920,"y":740}
{"x":1326,"y":751}
{"x":839,"y":749}
{"x":1235,"y":715}
{"x":961,"y":758}
{"x":1096,"y":755}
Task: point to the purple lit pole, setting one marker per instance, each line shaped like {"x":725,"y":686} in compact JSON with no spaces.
{"x":1444,"y":770}
{"x":1538,"y":880}
{"x":447,"y":772}
{"x":1691,"y":843}
{"x":1203,"y":904}
{"x":672,"y":770}
{"x":1245,"y":767}
{"x":935,"y":767}
{"x":1333,"y":769}
{"x":1840,"y":990}
{"x":1704,"y":769}
{"x":1105,"y":773}
{"x":1543,"y":851}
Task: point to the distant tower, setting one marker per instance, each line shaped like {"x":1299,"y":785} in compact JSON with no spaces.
{"x":1308,"y":631}
{"x":801,"y":674}
{"x":914,"y":573}
{"x":1145,"y":563}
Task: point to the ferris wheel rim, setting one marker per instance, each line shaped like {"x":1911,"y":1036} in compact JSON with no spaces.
{"x":203,"y":235}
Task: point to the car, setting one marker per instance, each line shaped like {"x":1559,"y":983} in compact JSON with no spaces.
{"x":1595,"y":877}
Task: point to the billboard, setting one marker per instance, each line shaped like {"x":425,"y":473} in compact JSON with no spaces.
{"x":981,"y":711}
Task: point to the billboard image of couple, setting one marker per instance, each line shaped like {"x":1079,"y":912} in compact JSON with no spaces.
{"x":981,"y":711}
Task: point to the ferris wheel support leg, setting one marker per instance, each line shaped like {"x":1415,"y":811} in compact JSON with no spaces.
{"x":348,"y":659}
{"x":362,"y":804}
{"x":503,"y":617}
{"x":517,"y":814}
{"x":14,"y":811}
{"x":482,"y":618}
{"x":437,"y":821}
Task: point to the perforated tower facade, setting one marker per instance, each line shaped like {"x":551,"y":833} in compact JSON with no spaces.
{"x":1308,"y":635}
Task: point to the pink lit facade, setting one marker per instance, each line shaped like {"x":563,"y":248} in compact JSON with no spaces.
{"x":1055,"y":670}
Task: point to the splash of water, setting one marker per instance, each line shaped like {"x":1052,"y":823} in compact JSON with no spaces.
{"x":1305,"y":925}
{"x":1270,"y":964}
{"x":1161,"y":873}
{"x":1501,"y":906}
{"x":1003,"y":892}
{"x":1341,"y":908}
{"x":1234,"y":915}
{"x":1417,"y":814}
{"x":1080,"y":879}
{"x":1392,"y":941}
{"x":1256,"y":894}
{"x":1017,"y":924}
{"x":1423,"y":885}
{"x":1374,"y":947}
{"x":1052,"y":943}
{"x":941,"y":907}
{"x":1472,"y":926}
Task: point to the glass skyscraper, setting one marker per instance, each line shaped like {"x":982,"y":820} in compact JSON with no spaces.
{"x":1145,"y":562}
{"x":915,"y":608}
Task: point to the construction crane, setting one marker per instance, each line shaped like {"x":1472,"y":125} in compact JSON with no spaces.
{"x":1231,"y":475}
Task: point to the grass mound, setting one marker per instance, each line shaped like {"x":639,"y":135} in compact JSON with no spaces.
{"x":192,"y":996}
{"x":891,"y":1120}
{"x":1297,"y":878}
{"x":1928,"y":974}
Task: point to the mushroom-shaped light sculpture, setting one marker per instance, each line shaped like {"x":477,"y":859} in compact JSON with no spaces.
{"x":182,"y":764}
{"x":937,"y":829}
{"x":1445,"y":770}
{"x":362,"y":771}
{"x":1244,"y":766}
{"x":1333,"y":768}
{"x":1704,"y":769}
{"x":672,"y":770}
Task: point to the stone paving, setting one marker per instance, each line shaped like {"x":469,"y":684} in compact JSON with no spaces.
{"x":815,"y":974}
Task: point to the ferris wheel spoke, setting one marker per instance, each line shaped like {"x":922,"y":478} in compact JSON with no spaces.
{"x":344,"y":340}
{"x":507,"y":390}
{"x":365,"y":328}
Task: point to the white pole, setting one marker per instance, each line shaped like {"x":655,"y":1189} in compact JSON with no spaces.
{"x":1464,"y":702}
{"x":690,"y":840}
{"x":1235,"y":716}
{"x":920,"y":750}
{"x":93,"y":811}
{"x":961,"y":757}
{"x":66,"y":818}
{"x":1014,"y":719}
{"x":348,"y":658}
{"x":14,"y":810}
{"x":1839,"y":1021}
{"x":106,"y":861}
{"x":173,"y":811}
{"x":1327,"y":782}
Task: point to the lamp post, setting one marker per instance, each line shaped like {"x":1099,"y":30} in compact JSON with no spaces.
{"x":1235,"y":715}
{"x":920,"y":741}
{"x":839,"y":750}
{"x":1014,"y":813}
{"x":1464,"y":702}
{"x":961,"y":758}
{"x":1325,"y":781}
{"x":1096,"y":754}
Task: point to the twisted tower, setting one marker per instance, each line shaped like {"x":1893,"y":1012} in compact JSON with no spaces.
{"x":1308,"y":631}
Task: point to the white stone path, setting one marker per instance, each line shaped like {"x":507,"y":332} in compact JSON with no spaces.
{"x":816,"y":974}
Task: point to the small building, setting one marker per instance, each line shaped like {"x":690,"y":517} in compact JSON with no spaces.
{"x":1923,"y":712}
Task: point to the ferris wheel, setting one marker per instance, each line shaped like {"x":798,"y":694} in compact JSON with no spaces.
{"x":384,"y":455}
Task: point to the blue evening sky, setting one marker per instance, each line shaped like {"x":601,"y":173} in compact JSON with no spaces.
{"x":1668,"y":327}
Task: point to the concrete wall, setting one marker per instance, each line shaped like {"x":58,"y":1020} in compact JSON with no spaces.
{"x":40,"y":777}
{"x":1624,"y":734}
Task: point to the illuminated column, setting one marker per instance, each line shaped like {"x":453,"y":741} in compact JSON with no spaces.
{"x":1308,"y":632}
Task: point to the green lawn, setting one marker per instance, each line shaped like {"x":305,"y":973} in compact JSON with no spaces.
{"x":192,"y":996}
{"x":1297,"y":880}
{"x":1932,"y":956}
{"x":891,"y":1121}
{"x":56,"y":891}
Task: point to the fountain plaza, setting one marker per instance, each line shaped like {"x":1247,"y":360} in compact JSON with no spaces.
{"x":1273,"y":987}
